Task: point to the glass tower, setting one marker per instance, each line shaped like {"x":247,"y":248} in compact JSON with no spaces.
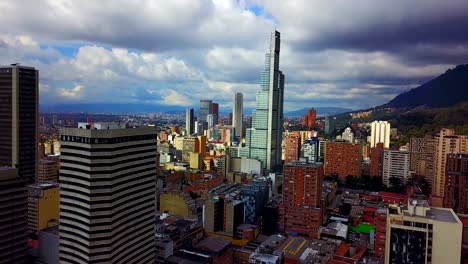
{"x":264,"y":138}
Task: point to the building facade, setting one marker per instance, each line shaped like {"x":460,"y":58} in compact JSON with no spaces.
{"x":264,"y":138}
{"x":423,"y":158}
{"x":238,"y":114}
{"x":189,"y":121}
{"x":293,"y":148}
{"x":343,"y":159}
{"x":205,"y":109}
{"x":396,"y":164}
{"x":47,"y":171}
{"x":19,"y":95}
{"x":380,"y":133}
{"x":302,"y":195}
{"x":456,"y":183}
{"x":107,"y":195}
{"x":43,"y":206}
{"x":418,"y":233}
{"x":447,"y":142}
{"x":13,"y":217}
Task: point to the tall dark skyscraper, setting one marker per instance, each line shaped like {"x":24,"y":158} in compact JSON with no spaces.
{"x":189,"y":121}
{"x":238,"y":113}
{"x":265,"y":136}
{"x":19,"y":93}
{"x":107,"y":194}
{"x":205,"y":109}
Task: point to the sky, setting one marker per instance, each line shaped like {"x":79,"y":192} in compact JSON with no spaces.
{"x":353,"y":54}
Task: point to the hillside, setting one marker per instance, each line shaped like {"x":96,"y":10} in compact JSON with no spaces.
{"x":320,"y":111}
{"x":446,"y":90}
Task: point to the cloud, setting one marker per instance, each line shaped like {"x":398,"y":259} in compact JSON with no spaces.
{"x":353,"y":54}
{"x":74,"y":92}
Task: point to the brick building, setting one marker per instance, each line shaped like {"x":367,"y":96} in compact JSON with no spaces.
{"x":456,"y":183}
{"x":293,"y":148}
{"x":343,"y":159}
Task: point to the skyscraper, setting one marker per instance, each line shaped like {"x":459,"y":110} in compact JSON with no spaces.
{"x":19,"y":119}
{"x":107,"y":194}
{"x":215,"y":112}
{"x":13,"y":217}
{"x":265,"y":136}
{"x":238,"y":113}
{"x":380,"y":133}
{"x":205,"y":109}
{"x":189,"y":121}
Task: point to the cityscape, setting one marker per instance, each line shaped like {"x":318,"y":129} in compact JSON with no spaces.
{"x":350,"y":146}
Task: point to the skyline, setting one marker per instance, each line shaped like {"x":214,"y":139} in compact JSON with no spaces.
{"x":177,"y":53}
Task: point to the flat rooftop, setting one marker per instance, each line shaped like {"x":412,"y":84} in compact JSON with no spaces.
{"x":304,"y":164}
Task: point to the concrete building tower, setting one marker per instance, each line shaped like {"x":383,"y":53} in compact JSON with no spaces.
{"x":238,"y":113}
{"x":107,"y":194}
{"x":380,"y":133}
{"x":189,"y":121}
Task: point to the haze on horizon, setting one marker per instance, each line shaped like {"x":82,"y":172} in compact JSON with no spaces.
{"x":353,"y":54}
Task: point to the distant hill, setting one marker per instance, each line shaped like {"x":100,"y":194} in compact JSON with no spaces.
{"x":320,"y":111}
{"x":109,"y":108}
{"x":446,"y":90}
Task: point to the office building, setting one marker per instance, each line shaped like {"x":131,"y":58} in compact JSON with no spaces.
{"x":215,"y":113}
{"x":265,"y":137}
{"x":422,"y":161}
{"x":205,"y":109}
{"x":447,"y":142}
{"x":255,"y":196}
{"x":456,"y":183}
{"x":396,"y":165}
{"x":13,"y":216}
{"x":43,"y":206}
{"x":19,"y":95}
{"x":380,"y":133}
{"x":417,"y":233}
{"x":302,"y":195}
{"x":330,"y":124}
{"x":47,"y":171}
{"x":376,"y":160}
{"x":308,"y":120}
{"x":238,"y":114}
{"x":293,"y":148}
{"x":189,"y":122}
{"x":107,"y":194}
{"x":343,"y":159}
{"x":190,"y":145}
{"x":311,"y":149}
{"x":210,"y":120}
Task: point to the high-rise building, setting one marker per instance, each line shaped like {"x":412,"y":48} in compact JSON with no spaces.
{"x":43,"y":206}
{"x":265,"y":136}
{"x":13,"y":216}
{"x":311,"y":149}
{"x":293,"y":148}
{"x":343,"y":159}
{"x":417,"y":233}
{"x":376,"y":160}
{"x":189,"y":121}
{"x":422,"y":160}
{"x":215,"y":113}
{"x":447,"y":142}
{"x":107,"y":194}
{"x":330,"y":124}
{"x":19,"y":119}
{"x":380,"y":133}
{"x":210,"y":120}
{"x":205,"y":109}
{"x":396,"y":165}
{"x":190,"y":144}
{"x":47,"y":171}
{"x":456,"y":183}
{"x":238,"y":113}
{"x":308,"y":120}
{"x":302,"y":195}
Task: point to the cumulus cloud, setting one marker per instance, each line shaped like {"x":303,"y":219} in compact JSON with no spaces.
{"x":353,"y":54}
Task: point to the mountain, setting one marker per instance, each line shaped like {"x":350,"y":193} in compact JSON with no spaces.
{"x":446,"y":90}
{"x":111,"y":108}
{"x":320,"y":111}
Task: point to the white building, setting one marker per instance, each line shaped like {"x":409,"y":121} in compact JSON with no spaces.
{"x":396,"y":164}
{"x":348,"y":135}
{"x":380,"y":133}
